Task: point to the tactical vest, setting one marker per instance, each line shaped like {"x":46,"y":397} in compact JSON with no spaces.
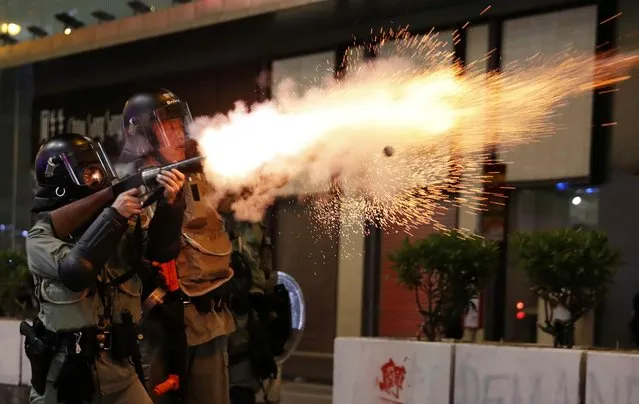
{"x":62,"y":309}
{"x":204,"y":261}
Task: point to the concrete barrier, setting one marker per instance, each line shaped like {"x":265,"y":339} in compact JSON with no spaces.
{"x":517,"y":375}
{"x":376,"y":370}
{"x":371,"y":370}
{"x":612,"y":378}
{"x":11,"y":346}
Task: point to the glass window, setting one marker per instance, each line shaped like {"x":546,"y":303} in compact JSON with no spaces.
{"x":538,"y":210}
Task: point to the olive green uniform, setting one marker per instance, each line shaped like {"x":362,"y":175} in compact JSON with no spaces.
{"x":61,"y":309}
{"x":207,"y":366}
{"x":206,"y":333}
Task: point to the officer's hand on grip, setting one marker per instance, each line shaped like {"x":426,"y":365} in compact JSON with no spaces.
{"x":172,"y":181}
{"x":128,"y":204}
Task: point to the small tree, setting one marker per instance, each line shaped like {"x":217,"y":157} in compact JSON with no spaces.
{"x":445,"y":271}
{"x":569,"y":269}
{"x":16,"y":285}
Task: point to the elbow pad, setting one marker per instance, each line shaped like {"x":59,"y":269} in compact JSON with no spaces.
{"x":165,"y":231}
{"x":79,"y":268}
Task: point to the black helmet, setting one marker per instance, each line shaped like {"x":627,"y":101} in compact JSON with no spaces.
{"x":69,"y":167}
{"x":155,"y":124}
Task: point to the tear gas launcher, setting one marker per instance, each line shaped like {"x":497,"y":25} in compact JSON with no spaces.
{"x":70,"y":217}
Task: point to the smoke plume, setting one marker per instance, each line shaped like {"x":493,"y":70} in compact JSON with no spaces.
{"x":438,"y":119}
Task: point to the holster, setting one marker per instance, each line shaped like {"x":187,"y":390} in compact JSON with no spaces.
{"x":40,"y":351}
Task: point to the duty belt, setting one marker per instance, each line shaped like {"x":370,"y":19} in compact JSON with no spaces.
{"x":90,"y":341}
{"x":120,"y":340}
{"x":79,"y":341}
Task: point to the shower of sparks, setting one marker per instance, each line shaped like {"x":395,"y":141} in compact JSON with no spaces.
{"x":439,"y":118}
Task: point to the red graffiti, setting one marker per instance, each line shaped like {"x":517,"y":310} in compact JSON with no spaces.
{"x":393,"y":377}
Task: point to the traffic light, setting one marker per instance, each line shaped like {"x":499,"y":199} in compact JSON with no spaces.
{"x":520,"y":310}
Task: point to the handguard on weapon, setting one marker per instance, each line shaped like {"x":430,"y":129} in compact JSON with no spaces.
{"x":147,"y":177}
{"x":66,"y":219}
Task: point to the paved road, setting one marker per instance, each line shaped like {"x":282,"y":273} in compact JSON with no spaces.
{"x":306,"y":393}
{"x":292,"y":393}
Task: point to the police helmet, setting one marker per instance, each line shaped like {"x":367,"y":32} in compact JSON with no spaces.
{"x":69,"y":167}
{"x":155,"y":124}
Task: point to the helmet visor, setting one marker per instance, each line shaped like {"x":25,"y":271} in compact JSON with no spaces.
{"x":162,"y":132}
{"x":89,"y":166}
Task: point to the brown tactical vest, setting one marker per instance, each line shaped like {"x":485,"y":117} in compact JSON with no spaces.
{"x":204,"y":261}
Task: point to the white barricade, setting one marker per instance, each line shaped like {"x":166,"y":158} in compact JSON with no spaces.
{"x":368,"y":370}
{"x":11,"y":345}
{"x":612,"y":378}
{"x":516,"y":375}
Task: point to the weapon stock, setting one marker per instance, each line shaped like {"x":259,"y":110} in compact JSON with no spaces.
{"x":68,"y":218}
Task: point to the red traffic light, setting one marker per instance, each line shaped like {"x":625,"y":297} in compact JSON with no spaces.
{"x":520,"y":315}
{"x":520,"y":305}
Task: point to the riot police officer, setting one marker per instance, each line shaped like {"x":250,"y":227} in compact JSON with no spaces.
{"x":84,"y":252}
{"x":155,"y":126}
{"x":188,"y":316}
{"x":266,"y":333}
{"x":250,"y":361}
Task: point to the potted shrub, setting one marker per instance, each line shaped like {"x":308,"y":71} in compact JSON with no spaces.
{"x":445,"y":271}
{"x":570,"y":270}
{"x":16,"y":286}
